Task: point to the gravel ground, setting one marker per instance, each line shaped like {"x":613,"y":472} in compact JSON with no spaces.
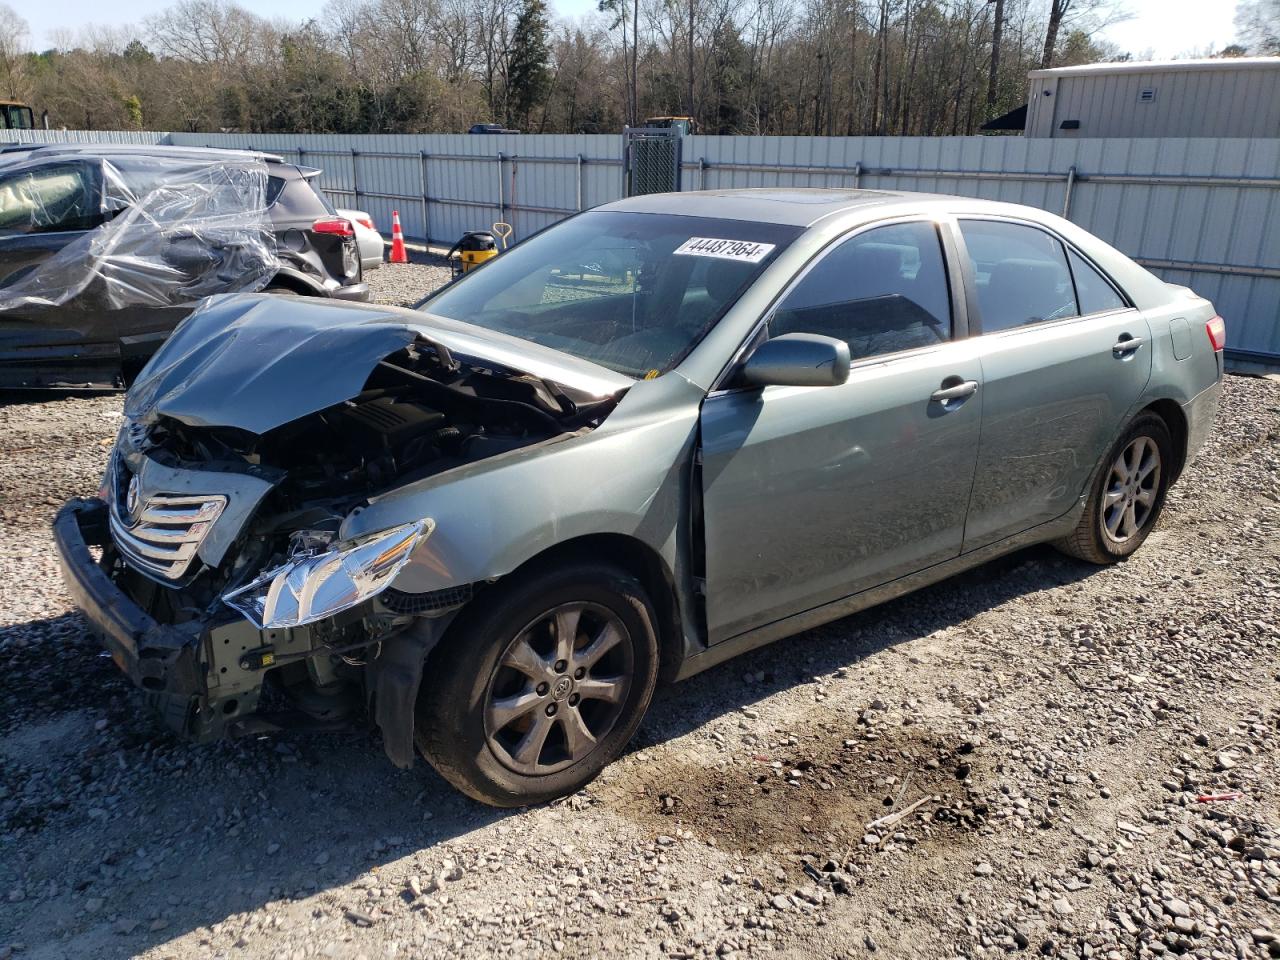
{"x":1006,"y":762}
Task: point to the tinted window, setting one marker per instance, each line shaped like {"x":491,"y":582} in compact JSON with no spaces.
{"x":1021,"y":274}
{"x":47,"y":199}
{"x":882,"y":291}
{"x":631,"y":291}
{"x":1095,"y":294}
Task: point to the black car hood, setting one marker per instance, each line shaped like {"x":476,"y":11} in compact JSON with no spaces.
{"x":258,"y":361}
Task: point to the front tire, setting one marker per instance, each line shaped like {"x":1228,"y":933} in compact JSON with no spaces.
{"x":539,"y":684}
{"x":1127,"y":495}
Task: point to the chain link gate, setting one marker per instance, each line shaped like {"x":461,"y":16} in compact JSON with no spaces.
{"x":651,"y":160}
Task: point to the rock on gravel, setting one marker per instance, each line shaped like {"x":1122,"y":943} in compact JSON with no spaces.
{"x":1032,"y":741}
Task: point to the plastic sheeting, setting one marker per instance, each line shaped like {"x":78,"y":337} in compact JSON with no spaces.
{"x":159,"y":230}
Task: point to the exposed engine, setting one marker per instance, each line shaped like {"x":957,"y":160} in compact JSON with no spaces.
{"x":419,"y":414}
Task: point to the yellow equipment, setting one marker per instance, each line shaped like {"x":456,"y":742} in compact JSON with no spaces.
{"x":685,"y":125}
{"x":16,"y":116}
{"x":477,"y":246}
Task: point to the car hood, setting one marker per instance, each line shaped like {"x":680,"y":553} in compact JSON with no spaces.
{"x":258,"y":361}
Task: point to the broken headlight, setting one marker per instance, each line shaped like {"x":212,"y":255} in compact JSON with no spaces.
{"x":312,"y":586}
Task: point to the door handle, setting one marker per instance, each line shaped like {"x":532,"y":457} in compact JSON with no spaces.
{"x":961,"y":390}
{"x":1127,"y":344}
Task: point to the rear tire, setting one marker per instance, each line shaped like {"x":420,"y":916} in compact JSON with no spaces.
{"x":540,"y":684}
{"x":1127,"y":495}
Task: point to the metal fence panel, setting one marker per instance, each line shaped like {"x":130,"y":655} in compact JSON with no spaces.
{"x":1201,"y":212}
{"x":145,"y":137}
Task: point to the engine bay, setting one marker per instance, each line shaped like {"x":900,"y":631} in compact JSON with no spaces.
{"x":421,"y":412}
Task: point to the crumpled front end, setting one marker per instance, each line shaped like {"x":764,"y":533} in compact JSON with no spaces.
{"x":225,"y":587}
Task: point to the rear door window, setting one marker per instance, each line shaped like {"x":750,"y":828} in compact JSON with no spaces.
{"x":58,"y":197}
{"x":1021,"y":274}
{"x":881,"y":291}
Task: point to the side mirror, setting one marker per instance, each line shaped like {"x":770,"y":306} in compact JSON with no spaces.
{"x":797,"y":360}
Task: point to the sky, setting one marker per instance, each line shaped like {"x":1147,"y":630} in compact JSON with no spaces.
{"x":1162,"y":28}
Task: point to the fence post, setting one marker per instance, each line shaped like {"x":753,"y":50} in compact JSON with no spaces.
{"x":426,"y":217}
{"x":501,"y":206}
{"x":579,"y":181}
{"x":857,"y":175}
{"x":1066,"y":197}
{"x":355,"y":177}
{"x":702,"y":173}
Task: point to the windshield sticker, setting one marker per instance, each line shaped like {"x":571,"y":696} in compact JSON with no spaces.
{"x":743,"y":250}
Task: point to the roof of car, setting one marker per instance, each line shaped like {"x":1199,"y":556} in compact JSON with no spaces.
{"x":12,"y":151}
{"x":791,"y":206}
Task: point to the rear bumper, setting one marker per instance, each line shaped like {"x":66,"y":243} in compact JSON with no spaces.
{"x":352,"y":291}
{"x":1200,"y":412}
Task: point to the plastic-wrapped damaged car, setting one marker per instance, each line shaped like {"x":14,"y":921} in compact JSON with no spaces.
{"x":104,"y":249}
{"x":648,"y":438}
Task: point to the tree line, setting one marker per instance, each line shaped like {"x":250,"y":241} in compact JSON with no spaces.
{"x":819,"y":67}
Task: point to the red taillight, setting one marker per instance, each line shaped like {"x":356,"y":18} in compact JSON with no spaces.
{"x":1217,"y":330}
{"x":337,"y":226}
{"x":366,"y":222}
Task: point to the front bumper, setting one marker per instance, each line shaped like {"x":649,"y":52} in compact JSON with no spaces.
{"x":203,"y":677}
{"x":160,"y":659}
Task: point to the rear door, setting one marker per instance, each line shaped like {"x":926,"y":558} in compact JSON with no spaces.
{"x":1064,"y":359}
{"x":811,"y":494}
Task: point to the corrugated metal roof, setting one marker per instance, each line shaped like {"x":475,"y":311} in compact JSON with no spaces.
{"x":1160,"y":66}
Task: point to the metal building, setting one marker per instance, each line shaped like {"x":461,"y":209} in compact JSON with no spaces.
{"x":1231,"y":97}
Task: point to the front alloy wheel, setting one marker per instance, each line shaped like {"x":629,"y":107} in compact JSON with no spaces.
{"x":539,"y":683}
{"x":559,"y":688}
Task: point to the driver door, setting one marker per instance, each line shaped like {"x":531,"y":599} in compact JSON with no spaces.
{"x":811,"y":494}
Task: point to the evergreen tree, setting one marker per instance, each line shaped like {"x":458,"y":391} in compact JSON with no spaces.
{"x":528,"y":75}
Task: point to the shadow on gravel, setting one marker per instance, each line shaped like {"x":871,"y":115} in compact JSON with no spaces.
{"x":150,"y":838}
{"x":793,"y":660}
{"x":15,"y":398}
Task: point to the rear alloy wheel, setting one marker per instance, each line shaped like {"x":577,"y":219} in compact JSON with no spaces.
{"x":1127,"y":495}
{"x":540,"y":682}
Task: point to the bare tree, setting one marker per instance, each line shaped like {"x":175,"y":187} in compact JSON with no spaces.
{"x":1258,"y":25}
{"x":896,"y":67}
{"x":997,"y":35}
{"x":14,"y":34}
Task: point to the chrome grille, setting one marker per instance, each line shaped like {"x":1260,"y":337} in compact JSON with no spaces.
{"x":162,"y":537}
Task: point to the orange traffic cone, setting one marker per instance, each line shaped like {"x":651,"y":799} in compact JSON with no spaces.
{"x":398,"y":254}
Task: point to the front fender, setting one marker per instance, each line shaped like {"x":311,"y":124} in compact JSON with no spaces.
{"x":630,"y":476}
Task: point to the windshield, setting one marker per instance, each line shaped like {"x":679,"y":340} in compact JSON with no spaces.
{"x":633,"y":292}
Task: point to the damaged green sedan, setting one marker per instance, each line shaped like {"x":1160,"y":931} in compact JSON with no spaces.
{"x":649,"y":438}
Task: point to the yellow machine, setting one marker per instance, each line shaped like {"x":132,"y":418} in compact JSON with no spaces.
{"x":477,"y":246}
{"x":16,"y":116}
{"x":685,"y":125}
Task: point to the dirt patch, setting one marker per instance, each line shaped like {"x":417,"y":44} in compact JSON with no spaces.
{"x":838,"y":791}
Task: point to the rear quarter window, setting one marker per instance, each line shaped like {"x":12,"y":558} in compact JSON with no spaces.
{"x":296,"y":197}
{"x":1095,"y":293}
